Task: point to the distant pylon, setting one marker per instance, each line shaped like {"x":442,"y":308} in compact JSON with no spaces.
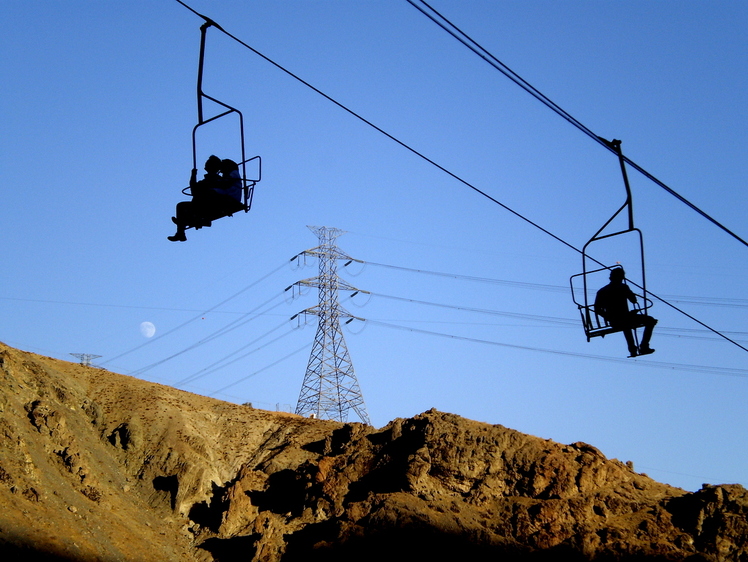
{"x":330,"y":388}
{"x":85,"y":358}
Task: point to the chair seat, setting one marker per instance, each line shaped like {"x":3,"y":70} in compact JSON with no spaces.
{"x":228,"y":210}
{"x":604,"y":328}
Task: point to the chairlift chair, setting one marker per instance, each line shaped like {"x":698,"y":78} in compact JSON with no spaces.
{"x":248,"y":183}
{"x":595,"y":325}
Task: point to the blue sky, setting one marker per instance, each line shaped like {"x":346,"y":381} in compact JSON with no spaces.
{"x":99,"y":104}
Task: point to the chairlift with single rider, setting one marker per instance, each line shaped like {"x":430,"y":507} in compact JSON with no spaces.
{"x":594,"y":324}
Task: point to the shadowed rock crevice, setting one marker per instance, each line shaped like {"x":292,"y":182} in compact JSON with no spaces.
{"x":210,"y":512}
{"x":121,"y":436}
{"x":285,"y":492}
{"x":169,"y":485}
{"x":228,"y":550}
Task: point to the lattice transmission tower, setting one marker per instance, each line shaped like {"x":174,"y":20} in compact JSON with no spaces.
{"x":85,"y":358}
{"x":330,"y":388}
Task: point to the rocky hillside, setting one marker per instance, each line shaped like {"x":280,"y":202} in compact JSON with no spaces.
{"x":100,"y":466}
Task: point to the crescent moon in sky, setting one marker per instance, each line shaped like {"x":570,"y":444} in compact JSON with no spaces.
{"x":147,"y":329}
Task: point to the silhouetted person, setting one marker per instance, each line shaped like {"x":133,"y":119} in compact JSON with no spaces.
{"x":215,"y":196}
{"x":612,"y":303}
{"x":192,"y":213}
{"x":228,"y":192}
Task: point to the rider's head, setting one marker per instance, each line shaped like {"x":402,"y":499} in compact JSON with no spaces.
{"x":213,"y":164}
{"x":228,"y":166}
{"x":617,"y":274}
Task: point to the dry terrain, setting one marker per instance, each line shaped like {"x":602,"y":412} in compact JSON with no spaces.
{"x":100,"y":466}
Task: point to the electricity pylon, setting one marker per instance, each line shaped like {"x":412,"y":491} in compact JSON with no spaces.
{"x":85,"y":358}
{"x":330,"y":388}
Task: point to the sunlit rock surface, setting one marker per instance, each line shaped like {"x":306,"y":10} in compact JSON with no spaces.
{"x":100,"y":466}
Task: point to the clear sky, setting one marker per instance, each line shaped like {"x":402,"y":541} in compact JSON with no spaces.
{"x":98,"y":108}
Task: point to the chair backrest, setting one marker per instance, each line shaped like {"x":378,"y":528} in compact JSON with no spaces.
{"x":594,"y":324}
{"x":249,"y":190}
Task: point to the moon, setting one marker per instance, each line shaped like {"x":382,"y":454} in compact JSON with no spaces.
{"x":147,"y":329}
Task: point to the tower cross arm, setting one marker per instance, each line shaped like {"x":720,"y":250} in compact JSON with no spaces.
{"x":318,"y":282}
{"x":329,"y":253}
{"x":339,"y":313}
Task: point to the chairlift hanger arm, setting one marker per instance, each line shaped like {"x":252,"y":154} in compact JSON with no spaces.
{"x":615,"y":146}
{"x":201,"y":120}
{"x":201,"y":65}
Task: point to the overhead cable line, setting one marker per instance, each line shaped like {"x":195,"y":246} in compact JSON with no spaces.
{"x":476,"y":48}
{"x":233,"y":325}
{"x":299,"y":350}
{"x":650,"y":293}
{"x":565,"y":322}
{"x":211,"y":309}
{"x":432,"y":162}
{"x":725,"y":371}
{"x":706,"y":301}
{"x":687,"y":315}
{"x":548,"y":319}
{"x":678,"y":299}
{"x":223,"y":362}
{"x":217,"y":365}
{"x":551,"y":288}
{"x":73,"y":303}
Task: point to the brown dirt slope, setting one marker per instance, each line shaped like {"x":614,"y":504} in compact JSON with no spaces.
{"x":100,"y":466}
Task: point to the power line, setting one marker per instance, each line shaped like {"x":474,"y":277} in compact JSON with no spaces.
{"x":476,"y":48}
{"x":182,"y":325}
{"x":547,"y":319}
{"x":679,"y":299}
{"x":553,"y":320}
{"x":653,"y":295}
{"x":297,"y":351}
{"x":705,"y":301}
{"x":74,"y":303}
{"x":566,"y":322}
{"x":725,"y":371}
{"x":233,"y":325}
{"x":521,"y":284}
{"x":217,"y":365}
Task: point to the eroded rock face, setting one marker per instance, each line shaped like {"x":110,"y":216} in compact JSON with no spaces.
{"x":98,"y":466}
{"x":444,"y":486}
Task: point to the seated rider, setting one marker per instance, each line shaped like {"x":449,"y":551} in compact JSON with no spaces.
{"x":230,"y":190}
{"x":215,"y":196}
{"x":611,"y":303}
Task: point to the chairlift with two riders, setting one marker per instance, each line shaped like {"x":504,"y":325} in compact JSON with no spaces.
{"x":247,"y":183}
